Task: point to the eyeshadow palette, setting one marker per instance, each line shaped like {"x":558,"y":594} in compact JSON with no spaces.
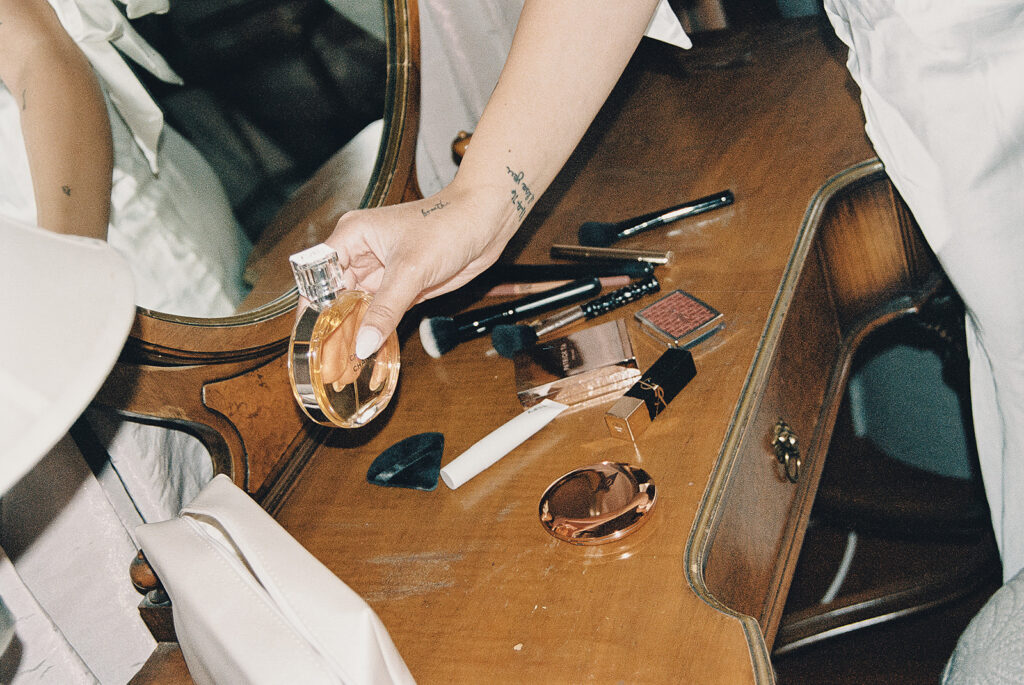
{"x":583,"y":368}
{"x":679,"y":319}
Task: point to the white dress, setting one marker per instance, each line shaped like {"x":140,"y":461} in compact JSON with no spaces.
{"x":67,"y":530}
{"x":169,"y":217}
{"x":943,"y":97}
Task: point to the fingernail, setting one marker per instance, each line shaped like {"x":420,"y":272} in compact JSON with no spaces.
{"x":367,"y":342}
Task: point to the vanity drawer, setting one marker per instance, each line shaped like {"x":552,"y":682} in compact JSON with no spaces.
{"x":770,"y":488}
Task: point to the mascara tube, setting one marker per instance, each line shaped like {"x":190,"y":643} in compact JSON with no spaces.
{"x":527,"y":273}
{"x":599,"y":306}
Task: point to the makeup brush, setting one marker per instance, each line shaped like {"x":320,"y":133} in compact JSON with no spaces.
{"x":528,"y":273}
{"x":602,"y":234}
{"x":508,"y":340}
{"x":439,"y":334}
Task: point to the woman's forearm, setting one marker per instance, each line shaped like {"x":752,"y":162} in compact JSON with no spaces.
{"x":565,"y":59}
{"x":64,"y":119}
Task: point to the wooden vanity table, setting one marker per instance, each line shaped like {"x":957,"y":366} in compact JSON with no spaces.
{"x":816,"y":251}
{"x":470,"y":585}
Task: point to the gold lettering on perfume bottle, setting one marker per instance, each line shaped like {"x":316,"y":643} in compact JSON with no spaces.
{"x":357,"y":363}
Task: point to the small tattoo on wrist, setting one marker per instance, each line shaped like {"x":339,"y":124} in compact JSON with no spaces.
{"x":522,"y":197}
{"x":440,"y":205}
{"x":67,"y":190}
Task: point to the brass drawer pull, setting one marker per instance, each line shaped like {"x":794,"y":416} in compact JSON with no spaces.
{"x":787,"y":450}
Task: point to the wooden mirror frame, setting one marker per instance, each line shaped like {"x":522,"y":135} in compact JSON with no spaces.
{"x":224,"y":380}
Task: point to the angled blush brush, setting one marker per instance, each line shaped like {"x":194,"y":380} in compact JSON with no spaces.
{"x":510,"y":339}
{"x":439,"y":334}
{"x":603,"y":234}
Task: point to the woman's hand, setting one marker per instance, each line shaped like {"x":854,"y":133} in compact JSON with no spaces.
{"x":413,"y":251}
{"x":565,"y":58}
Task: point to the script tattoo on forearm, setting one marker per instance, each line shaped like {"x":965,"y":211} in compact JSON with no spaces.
{"x":522,"y":197}
{"x":24,"y":99}
{"x":440,"y":205}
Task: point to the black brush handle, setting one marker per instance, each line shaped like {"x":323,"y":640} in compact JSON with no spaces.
{"x":692,"y":208}
{"x":533,"y":273}
{"x":617,"y":298}
{"x":479,"y":321}
{"x":598,"y":306}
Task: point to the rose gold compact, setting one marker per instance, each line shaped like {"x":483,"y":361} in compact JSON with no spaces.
{"x":598,"y":503}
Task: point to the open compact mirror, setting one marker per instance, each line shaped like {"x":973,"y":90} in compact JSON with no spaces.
{"x":598,"y":503}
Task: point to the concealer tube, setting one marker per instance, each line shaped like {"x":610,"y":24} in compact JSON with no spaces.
{"x":488,"y":450}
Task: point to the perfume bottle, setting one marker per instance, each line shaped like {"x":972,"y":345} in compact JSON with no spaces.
{"x":332,"y":386}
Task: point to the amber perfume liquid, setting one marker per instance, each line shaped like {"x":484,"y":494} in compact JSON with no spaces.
{"x":332,"y":385}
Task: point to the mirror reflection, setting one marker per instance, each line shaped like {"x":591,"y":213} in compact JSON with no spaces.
{"x":272,"y":92}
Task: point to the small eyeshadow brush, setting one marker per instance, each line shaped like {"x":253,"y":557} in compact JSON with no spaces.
{"x":509,"y":339}
{"x":603,"y":234}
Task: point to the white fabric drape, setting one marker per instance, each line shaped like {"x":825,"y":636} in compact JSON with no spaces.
{"x":944,"y":103}
{"x":67,"y":530}
{"x":64,"y":575}
{"x":100,"y":30}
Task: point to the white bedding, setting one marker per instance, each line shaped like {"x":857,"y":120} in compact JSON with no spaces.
{"x":991,"y":649}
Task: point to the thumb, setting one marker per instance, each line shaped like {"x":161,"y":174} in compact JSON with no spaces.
{"x":389,"y":305}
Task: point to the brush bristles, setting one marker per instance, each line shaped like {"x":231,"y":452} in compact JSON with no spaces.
{"x":438,"y":335}
{"x":509,"y":340}
{"x":597,"y":234}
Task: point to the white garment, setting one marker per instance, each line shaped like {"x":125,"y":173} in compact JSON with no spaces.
{"x":944,"y":102}
{"x":38,"y":646}
{"x":67,"y":547}
{"x":70,"y":554}
{"x":991,"y":649}
{"x":171,"y":219}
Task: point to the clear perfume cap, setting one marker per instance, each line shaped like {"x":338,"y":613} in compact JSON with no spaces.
{"x":317,"y":273}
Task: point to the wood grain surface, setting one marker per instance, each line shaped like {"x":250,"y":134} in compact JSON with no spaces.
{"x":815,"y":251}
{"x":469,"y":584}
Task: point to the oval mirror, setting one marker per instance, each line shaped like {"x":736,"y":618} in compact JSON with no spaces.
{"x":299,"y":108}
